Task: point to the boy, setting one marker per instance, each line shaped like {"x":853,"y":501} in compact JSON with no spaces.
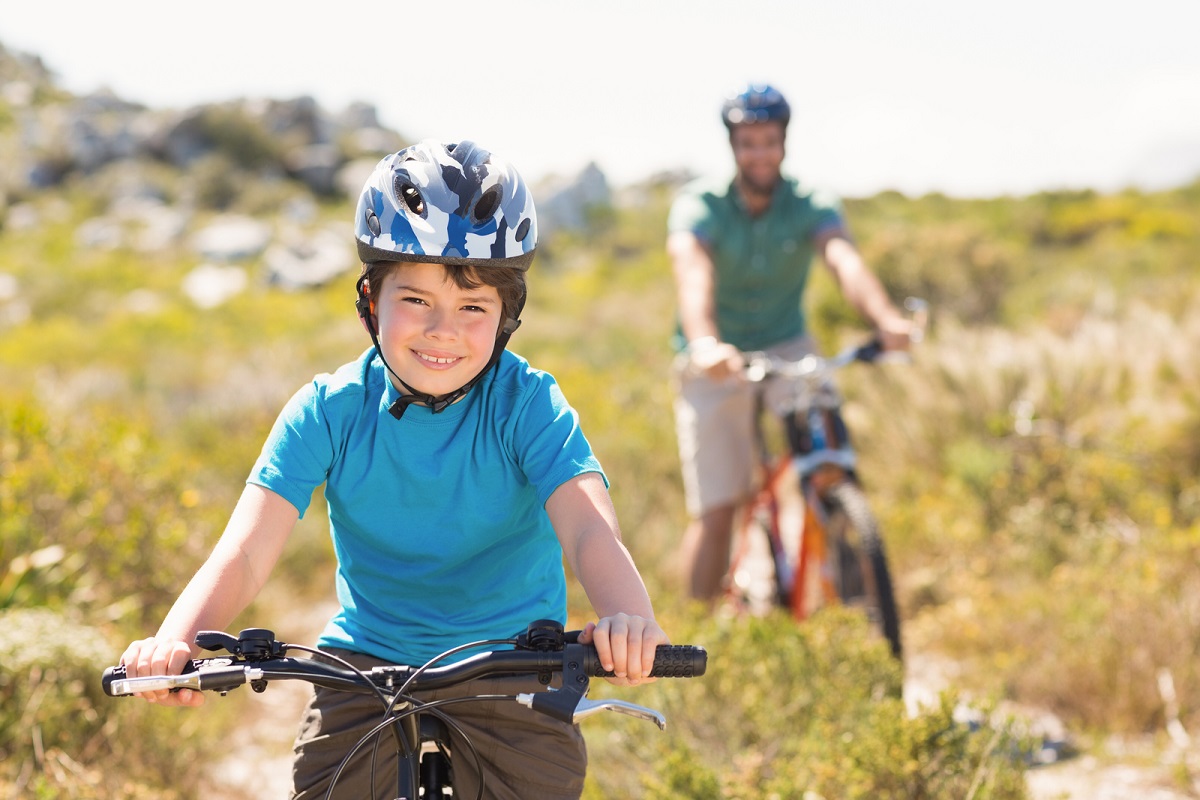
{"x":456,"y":476}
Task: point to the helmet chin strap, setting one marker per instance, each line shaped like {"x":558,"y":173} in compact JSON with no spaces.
{"x":442,"y":402}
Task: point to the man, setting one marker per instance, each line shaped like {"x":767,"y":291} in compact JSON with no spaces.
{"x":741,"y":252}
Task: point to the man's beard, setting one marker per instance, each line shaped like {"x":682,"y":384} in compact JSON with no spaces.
{"x":758,"y":188}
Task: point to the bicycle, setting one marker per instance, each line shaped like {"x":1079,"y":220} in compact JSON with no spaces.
{"x":836,"y":535}
{"x":421,"y":729}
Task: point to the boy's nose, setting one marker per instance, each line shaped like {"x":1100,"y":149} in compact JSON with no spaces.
{"x":440,"y":324}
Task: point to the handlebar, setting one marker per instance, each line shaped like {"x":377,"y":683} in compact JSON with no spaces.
{"x":220,"y":674}
{"x":257,"y":658}
{"x":761,"y":365}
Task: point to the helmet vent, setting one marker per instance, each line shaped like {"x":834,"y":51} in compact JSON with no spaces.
{"x":486,"y":205}
{"x":523,"y":229}
{"x":373,"y":222}
{"x":411,"y":197}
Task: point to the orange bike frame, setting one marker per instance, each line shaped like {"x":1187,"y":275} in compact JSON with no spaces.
{"x":812,"y":546}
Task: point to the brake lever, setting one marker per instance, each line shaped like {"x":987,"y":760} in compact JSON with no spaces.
{"x":588,"y":708}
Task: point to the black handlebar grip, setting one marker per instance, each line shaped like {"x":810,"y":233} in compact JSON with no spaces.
{"x":117,"y":673}
{"x":670,"y":661}
{"x":870,"y":351}
{"x":111,"y":674}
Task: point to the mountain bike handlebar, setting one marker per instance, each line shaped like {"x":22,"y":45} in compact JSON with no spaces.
{"x":761,"y":365}
{"x":257,"y":658}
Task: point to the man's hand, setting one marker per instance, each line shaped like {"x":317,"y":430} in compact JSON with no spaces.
{"x":717,"y":360}
{"x":896,"y":332}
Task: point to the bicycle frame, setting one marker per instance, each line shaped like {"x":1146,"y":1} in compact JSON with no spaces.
{"x":821,"y":461}
{"x":817,"y":471}
{"x":838,"y":531}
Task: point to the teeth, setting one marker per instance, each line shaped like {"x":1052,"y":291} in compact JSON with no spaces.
{"x":436,"y":360}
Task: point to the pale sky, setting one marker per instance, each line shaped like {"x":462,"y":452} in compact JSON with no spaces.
{"x":920,"y":95}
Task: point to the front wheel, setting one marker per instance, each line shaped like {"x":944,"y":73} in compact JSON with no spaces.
{"x":860,"y":561}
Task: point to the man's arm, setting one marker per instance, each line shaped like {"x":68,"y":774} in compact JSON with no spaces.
{"x":695,"y":289}
{"x":695,"y":284}
{"x":863,"y":289}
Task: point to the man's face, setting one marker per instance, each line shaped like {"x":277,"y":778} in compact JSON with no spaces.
{"x":758,"y":153}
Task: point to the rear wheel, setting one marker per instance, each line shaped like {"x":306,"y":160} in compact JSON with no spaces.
{"x":861,"y":569}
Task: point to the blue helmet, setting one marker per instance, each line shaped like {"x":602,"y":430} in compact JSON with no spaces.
{"x":446,"y":204}
{"x":758,"y":102}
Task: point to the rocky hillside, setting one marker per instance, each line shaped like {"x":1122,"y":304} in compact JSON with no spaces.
{"x":230,"y":181}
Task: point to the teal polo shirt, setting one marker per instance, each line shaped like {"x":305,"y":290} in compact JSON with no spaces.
{"x":762,"y":263}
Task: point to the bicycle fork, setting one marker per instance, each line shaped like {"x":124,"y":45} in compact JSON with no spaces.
{"x":814,"y":543}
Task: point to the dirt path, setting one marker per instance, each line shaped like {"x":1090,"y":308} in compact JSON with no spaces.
{"x":1135,"y":769}
{"x":259,"y":764}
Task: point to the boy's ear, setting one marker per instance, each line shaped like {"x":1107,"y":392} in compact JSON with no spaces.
{"x":364,"y":305}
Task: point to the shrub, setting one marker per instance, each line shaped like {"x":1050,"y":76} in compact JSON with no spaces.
{"x":789,"y":710}
{"x":60,"y":736}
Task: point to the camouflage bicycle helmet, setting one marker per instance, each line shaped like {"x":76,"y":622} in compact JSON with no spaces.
{"x":453,"y":204}
{"x":755,"y":103}
{"x":448,"y":204}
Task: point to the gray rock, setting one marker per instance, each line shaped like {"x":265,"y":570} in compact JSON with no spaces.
{"x":566,"y":203}
{"x":309,"y":261}
{"x":210,"y":285}
{"x":231,"y":237}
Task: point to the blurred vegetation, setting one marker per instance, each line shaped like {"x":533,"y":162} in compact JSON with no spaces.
{"x":1035,"y":472}
{"x":814,"y":711}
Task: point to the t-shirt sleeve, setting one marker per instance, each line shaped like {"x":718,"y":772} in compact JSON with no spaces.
{"x":827,"y":214}
{"x":691,"y":213}
{"x":298,"y":453}
{"x":551,"y":448}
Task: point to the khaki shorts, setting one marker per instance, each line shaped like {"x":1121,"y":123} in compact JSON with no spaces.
{"x":524,"y":753}
{"x":714,"y":424}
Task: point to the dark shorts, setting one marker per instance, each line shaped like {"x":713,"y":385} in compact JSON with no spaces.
{"x":524,"y":754}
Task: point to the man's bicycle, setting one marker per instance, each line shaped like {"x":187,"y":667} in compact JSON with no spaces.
{"x":420,"y":730}
{"x":830,"y":550}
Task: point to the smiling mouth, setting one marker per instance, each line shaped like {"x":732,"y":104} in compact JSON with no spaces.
{"x":434,"y":359}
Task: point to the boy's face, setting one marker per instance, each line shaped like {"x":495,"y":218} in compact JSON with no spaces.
{"x":434,"y":334}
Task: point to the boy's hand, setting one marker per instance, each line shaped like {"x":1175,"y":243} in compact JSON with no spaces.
{"x":626,"y":646}
{"x":160,"y":657}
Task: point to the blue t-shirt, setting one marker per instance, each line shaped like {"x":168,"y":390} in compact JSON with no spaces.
{"x":762,"y":262}
{"x":437,"y":520}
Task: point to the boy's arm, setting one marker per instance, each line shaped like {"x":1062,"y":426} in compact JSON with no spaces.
{"x":627,"y":634}
{"x":224,"y":585}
